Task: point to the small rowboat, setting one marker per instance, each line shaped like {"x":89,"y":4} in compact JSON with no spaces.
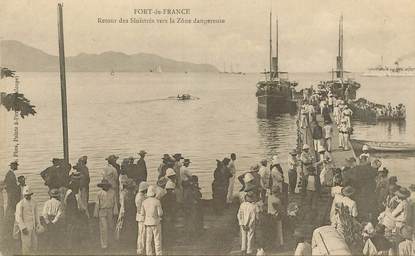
{"x":385,"y":146}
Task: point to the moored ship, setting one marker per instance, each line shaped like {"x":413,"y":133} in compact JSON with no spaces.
{"x":275,"y":93}
{"x":386,"y":71}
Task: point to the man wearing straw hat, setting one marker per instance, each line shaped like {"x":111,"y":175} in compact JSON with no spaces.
{"x":28,"y":221}
{"x":152,"y":212}
{"x":106,"y":208}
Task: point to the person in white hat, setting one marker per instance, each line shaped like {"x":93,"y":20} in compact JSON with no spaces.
{"x":27,"y":219}
{"x":365,"y":156}
{"x":247,"y":216}
{"x":152,"y":212}
{"x":51,"y":216}
{"x":139,"y":198}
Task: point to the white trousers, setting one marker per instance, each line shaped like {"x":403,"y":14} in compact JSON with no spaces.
{"x":29,"y":242}
{"x":141,"y":238}
{"x":247,"y":238}
{"x":106,"y":227}
{"x":345,"y":140}
{"x":153,"y":233}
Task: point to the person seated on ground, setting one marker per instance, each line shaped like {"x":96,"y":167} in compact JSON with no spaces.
{"x":378,"y":244}
{"x":303,"y":246}
{"x":348,"y":202}
{"x":365,"y":156}
{"x":407,"y":246}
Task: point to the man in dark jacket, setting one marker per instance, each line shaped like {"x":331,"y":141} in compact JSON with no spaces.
{"x":317,"y":136}
{"x":141,"y":168}
{"x":13,"y":197}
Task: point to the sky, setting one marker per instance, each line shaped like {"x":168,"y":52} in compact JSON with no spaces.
{"x":308,"y":31}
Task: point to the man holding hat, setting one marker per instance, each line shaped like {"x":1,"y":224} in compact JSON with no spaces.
{"x":139,"y":198}
{"x":152,"y":212}
{"x":106,"y":207}
{"x":28,"y":221}
{"x":110,"y":174}
{"x":13,"y":197}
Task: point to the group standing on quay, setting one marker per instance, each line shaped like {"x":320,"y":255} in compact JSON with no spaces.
{"x":132,"y":214}
{"x":367,"y":207}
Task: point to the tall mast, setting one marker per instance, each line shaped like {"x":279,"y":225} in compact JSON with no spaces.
{"x":276,"y":55}
{"x":270,"y":46}
{"x":63,"y":85}
{"x":339,"y":72}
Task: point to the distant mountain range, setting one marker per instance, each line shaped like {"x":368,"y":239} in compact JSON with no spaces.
{"x":23,"y":58}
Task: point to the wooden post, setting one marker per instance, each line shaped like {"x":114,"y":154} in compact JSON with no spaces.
{"x":63,"y":85}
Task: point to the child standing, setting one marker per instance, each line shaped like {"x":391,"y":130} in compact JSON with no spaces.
{"x":105,"y":209}
{"x":247,"y":220}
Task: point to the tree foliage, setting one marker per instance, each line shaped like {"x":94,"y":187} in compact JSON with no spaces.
{"x":15,"y":101}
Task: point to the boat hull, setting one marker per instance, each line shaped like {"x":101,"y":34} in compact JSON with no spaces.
{"x":269,"y":105}
{"x":387,"y":147}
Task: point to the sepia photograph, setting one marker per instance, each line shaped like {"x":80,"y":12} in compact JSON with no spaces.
{"x":194,"y":127}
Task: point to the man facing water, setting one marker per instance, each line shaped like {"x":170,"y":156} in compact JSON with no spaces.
{"x":232,"y":170}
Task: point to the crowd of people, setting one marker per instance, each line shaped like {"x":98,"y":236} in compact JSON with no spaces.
{"x":367,"y":108}
{"x":132,"y":214}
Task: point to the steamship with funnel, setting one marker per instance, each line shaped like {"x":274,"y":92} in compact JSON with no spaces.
{"x":386,"y":71}
{"x":275,"y":93}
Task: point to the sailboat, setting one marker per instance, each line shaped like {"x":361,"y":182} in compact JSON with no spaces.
{"x":275,"y":94}
{"x":339,"y":85}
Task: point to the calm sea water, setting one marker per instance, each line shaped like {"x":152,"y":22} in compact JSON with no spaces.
{"x":125,"y":113}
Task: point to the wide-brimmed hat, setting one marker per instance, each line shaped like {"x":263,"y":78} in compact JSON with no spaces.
{"x":54,"y":192}
{"x":403,"y":192}
{"x":178,"y":156}
{"x":187,"y":161}
{"x":14,"y":163}
{"x":293,"y":152}
{"x":306,"y":146}
{"x":151,"y":191}
{"x":248,"y":177}
{"x":170,"y":172}
{"x":104,"y":183}
{"x":112,"y":157}
{"x":83,"y":159}
{"x":406,"y":232}
{"x":348,"y":191}
{"x":27,"y":191}
{"x":166,"y":157}
{"x":143,"y":186}
{"x":142,"y":152}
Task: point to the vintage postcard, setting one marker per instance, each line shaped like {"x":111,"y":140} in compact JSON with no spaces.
{"x":194,"y":127}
